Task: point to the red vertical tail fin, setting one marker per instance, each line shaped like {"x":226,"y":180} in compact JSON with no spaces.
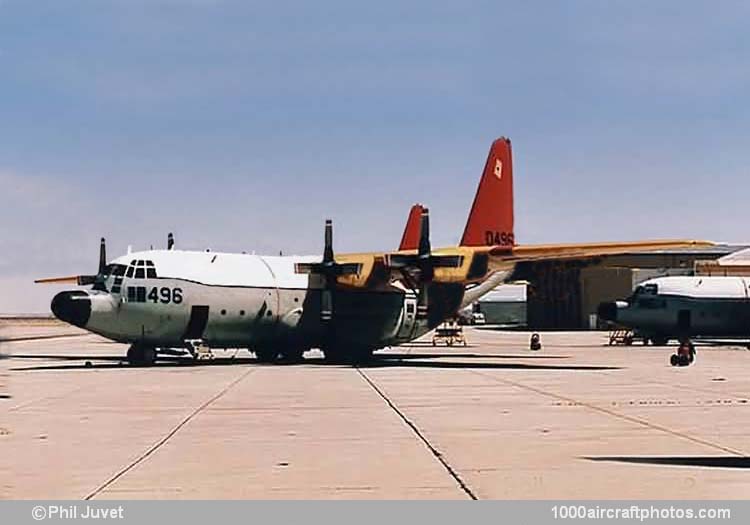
{"x":491,"y":218}
{"x":410,"y":239}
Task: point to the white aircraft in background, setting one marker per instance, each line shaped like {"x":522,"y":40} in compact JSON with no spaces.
{"x":681,"y":307}
{"x":348,"y":305}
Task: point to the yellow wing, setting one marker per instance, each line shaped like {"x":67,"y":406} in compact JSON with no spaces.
{"x":475,"y":264}
{"x":502,"y":257}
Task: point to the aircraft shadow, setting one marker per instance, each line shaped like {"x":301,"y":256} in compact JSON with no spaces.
{"x":384,"y":363}
{"x":734,"y":462}
{"x":399,"y":355}
{"x":502,"y":328}
{"x":391,"y":360}
{"x":390,"y":355}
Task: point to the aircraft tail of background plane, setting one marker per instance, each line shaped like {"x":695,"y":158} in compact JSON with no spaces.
{"x":490,"y":220}
{"x":410,"y":239}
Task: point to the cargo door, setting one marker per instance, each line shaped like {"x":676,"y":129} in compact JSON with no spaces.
{"x":197,"y":323}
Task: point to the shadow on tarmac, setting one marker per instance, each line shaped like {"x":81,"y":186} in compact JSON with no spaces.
{"x":397,"y":360}
{"x":683,"y":461}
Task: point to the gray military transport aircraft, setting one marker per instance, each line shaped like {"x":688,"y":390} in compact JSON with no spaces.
{"x":348,"y":305}
{"x":681,"y":307}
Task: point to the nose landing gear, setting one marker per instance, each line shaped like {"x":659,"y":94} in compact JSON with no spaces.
{"x":685,"y":353}
{"x":141,"y":355}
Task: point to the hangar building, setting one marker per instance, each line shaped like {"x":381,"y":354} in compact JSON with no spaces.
{"x":565,"y":295}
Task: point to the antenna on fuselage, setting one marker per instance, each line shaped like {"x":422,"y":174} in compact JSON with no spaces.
{"x":170,"y":241}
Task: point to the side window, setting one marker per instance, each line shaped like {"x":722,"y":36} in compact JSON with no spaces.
{"x":136,"y":294}
{"x":119,"y":270}
{"x":130,"y":272}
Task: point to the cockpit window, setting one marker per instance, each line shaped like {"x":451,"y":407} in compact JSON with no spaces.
{"x":140,"y":270}
{"x":651,"y":289}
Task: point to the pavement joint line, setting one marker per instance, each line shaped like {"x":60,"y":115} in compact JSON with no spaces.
{"x":435,"y":452}
{"x":43,"y":399}
{"x":39,"y":338}
{"x":691,"y":389}
{"x":612,"y":413}
{"x":166,"y":438}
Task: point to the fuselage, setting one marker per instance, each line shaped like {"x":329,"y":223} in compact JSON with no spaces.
{"x":685,"y":306}
{"x":166,"y":297}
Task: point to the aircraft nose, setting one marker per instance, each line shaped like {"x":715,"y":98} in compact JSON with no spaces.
{"x":72,"y":307}
{"x":608,"y":311}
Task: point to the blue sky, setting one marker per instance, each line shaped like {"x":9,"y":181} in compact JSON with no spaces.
{"x":242,"y":126}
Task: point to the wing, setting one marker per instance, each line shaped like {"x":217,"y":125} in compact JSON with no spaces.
{"x":501,"y":257}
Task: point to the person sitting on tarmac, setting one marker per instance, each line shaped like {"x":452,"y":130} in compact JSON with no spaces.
{"x":685,"y":353}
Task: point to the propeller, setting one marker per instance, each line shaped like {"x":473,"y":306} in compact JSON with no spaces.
{"x":329,"y":270}
{"x":419,"y":269}
{"x":83,"y":280}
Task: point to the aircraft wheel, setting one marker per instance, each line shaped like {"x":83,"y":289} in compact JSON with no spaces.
{"x":294,"y":355}
{"x":362,"y":355}
{"x":141,"y":355}
{"x":674,"y":360}
{"x":684,"y":360}
{"x":334,"y":355}
{"x":350,"y":356}
{"x":266,"y":355}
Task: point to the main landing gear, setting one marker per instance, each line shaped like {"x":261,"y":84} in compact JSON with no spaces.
{"x":141,"y":355}
{"x":685,"y":353}
{"x":349,"y":356}
{"x":268,"y":355}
